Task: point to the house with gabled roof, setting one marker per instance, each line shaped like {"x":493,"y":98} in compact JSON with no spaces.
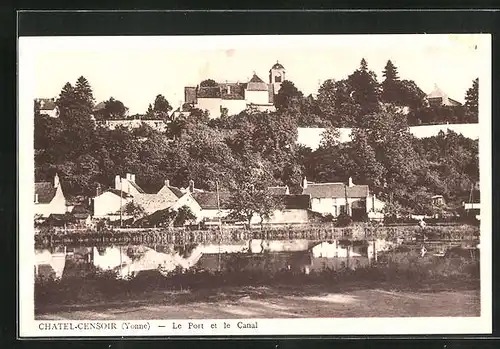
{"x":49,"y":198}
{"x":338,"y":197}
{"x":113,"y":201}
{"x":439,"y":98}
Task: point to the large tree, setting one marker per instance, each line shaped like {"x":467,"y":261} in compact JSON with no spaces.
{"x":472,"y":102}
{"x":113,"y":110}
{"x":162,"y":108}
{"x":336,"y":103}
{"x":288,"y":97}
{"x":391,"y":88}
{"x":364,"y":91}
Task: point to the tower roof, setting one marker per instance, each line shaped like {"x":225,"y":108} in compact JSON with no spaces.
{"x":277,"y":65}
{"x":256,"y":84}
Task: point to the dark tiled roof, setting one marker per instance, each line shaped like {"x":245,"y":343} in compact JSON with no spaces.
{"x":139,"y":189}
{"x":47,"y":103}
{"x":335,"y":190}
{"x":208,"y":200}
{"x":296,"y":201}
{"x":257,"y":84}
{"x":117,"y":192}
{"x":277,"y":65}
{"x":236,"y":91}
{"x":45,"y":191}
{"x":176,"y":191}
{"x":209,"y":92}
{"x":255,"y":78}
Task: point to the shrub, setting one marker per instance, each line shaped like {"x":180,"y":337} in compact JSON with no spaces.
{"x":343,"y":220}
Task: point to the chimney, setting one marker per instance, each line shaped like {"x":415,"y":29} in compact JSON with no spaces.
{"x":304,"y":184}
{"x":127,"y":176}
{"x":132,"y":177}
{"x":117,"y":182}
{"x":56,"y":181}
{"x":350,"y":182}
{"x":167,"y":182}
{"x":97,"y":189}
{"x":191,"y":186}
{"x":36,"y":198}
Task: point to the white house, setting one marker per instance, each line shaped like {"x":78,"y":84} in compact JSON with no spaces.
{"x":330,"y":198}
{"x":438,"y":97}
{"x":296,"y":209}
{"x":48,"y":107}
{"x":114,"y":201}
{"x":49,"y":198}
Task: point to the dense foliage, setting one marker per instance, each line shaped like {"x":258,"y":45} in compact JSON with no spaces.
{"x":256,"y":149}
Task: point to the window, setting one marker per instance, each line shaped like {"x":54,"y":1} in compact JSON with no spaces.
{"x":342,"y":209}
{"x":277,"y":78}
{"x":335,"y":211}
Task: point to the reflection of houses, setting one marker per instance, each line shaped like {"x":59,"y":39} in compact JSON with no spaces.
{"x":48,"y":107}
{"x":337,"y":198}
{"x":49,"y":198}
{"x":234,"y":97}
{"x":438,"y":98}
{"x":50,"y":264}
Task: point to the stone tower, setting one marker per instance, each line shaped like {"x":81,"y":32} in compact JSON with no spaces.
{"x":276,"y":76}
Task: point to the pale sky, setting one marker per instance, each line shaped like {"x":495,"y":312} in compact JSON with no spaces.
{"x":136,"y":69}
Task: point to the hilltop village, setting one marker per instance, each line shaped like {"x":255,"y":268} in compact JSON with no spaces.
{"x":232,"y":153}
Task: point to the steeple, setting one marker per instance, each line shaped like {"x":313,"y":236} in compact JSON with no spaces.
{"x":277,"y":76}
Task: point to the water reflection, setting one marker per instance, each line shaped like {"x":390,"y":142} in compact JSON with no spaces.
{"x":127,"y":261}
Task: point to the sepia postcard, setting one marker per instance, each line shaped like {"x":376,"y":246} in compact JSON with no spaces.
{"x":254,"y":185}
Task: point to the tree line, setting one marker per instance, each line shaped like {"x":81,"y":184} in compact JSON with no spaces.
{"x":248,"y":152}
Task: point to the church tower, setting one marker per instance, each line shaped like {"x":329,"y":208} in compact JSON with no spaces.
{"x":276,"y":76}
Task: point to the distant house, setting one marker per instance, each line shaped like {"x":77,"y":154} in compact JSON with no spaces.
{"x":48,"y":107}
{"x":437,"y":200}
{"x":330,"y":198}
{"x":49,"y":198}
{"x":439,"y":98}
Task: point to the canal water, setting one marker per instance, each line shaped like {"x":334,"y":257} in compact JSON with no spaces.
{"x":128,"y":261}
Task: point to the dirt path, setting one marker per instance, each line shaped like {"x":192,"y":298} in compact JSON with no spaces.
{"x":267,"y":303}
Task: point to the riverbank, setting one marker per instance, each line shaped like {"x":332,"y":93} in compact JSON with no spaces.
{"x":282,"y":301}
